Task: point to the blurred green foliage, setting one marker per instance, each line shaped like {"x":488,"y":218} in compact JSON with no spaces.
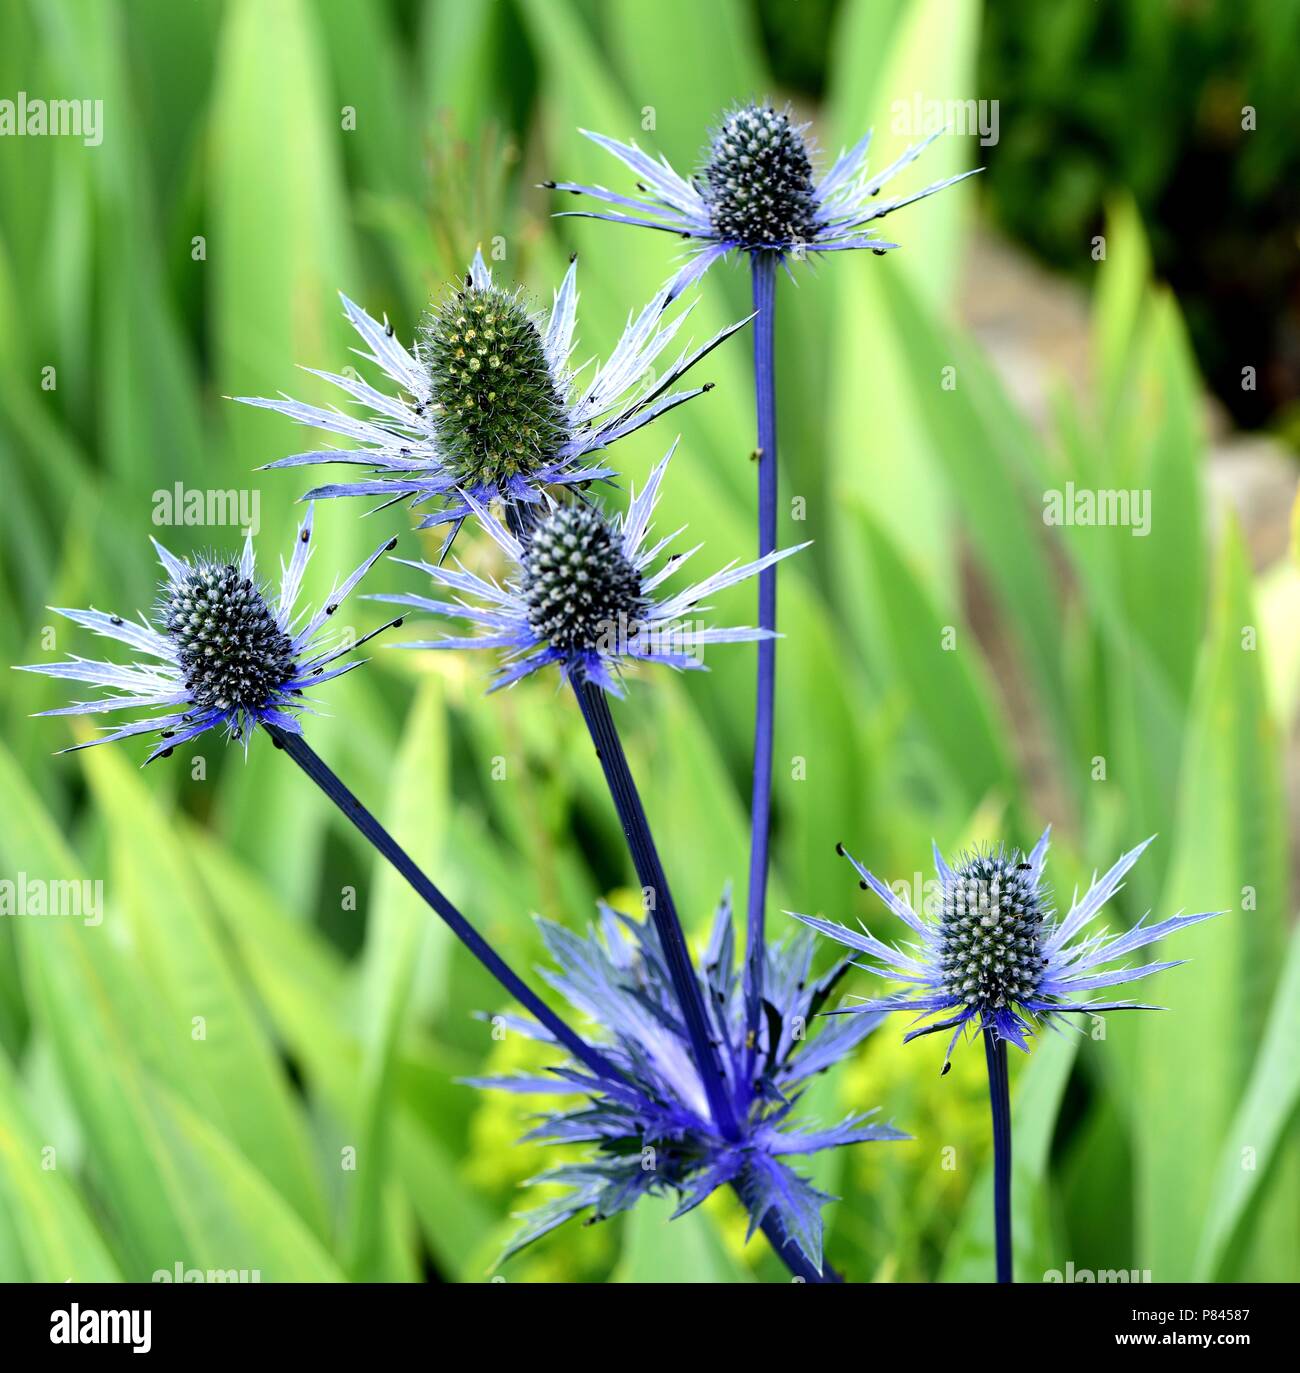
{"x":252,"y":1062}
{"x":1191,"y":107}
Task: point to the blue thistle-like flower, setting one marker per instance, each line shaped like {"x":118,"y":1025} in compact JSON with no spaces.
{"x":996,"y":957}
{"x":756,"y":191}
{"x":582,"y":595}
{"x":651,"y":1125}
{"x":489,"y":406}
{"x":225,"y":652}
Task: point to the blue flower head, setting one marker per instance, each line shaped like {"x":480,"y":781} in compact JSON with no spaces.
{"x":996,"y":956}
{"x":488,"y":404}
{"x":223,"y":651}
{"x":650,"y":1127}
{"x":582,"y":594}
{"x":756,"y":191}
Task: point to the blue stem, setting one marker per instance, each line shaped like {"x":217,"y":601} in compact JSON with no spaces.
{"x":650,"y":872}
{"x":792,"y":1256}
{"x":995,"y":1054}
{"x":763,"y":267}
{"x":310,"y":762}
{"x":315,"y":767}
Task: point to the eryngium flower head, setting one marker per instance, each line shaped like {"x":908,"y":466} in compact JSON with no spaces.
{"x":494,"y":404}
{"x":581,"y":594}
{"x":758,"y":180}
{"x":225,"y":653}
{"x":996,"y":957}
{"x":578,"y":581}
{"x":488,"y":404}
{"x":617,"y":976}
{"x":756,"y":191}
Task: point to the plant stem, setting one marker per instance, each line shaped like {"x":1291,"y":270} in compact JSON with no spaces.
{"x":995,"y":1054}
{"x":315,"y":767}
{"x":645,"y":857}
{"x":309,"y":761}
{"x":793,"y":1258}
{"x":650,"y":872}
{"x":763,"y":267}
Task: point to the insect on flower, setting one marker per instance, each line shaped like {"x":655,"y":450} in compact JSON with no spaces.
{"x":581,"y":595}
{"x":489,"y":407}
{"x":756,"y":191}
{"x":997,"y":958}
{"x":650,"y":1125}
{"x":223,"y":653}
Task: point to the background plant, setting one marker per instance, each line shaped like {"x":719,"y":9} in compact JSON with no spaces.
{"x":1219,"y":202}
{"x":330,"y":1028}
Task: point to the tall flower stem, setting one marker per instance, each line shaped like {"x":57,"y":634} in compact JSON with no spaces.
{"x":763,"y":267}
{"x":995,"y":1053}
{"x":314,"y":766}
{"x":650,"y":872}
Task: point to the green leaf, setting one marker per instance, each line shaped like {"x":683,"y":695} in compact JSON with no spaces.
{"x":720,"y":66}
{"x":941,"y":678}
{"x":688,"y":795}
{"x":1229,"y":856}
{"x":824,"y":774}
{"x":279,"y":251}
{"x":461,"y":61}
{"x":1123,"y":276}
{"x":178,"y":1191}
{"x":226,"y":1068}
{"x":993,"y":466}
{"x":231,"y":1218}
{"x":371,"y":82}
{"x":1278,"y":594}
{"x":1258,"y":1131}
{"x":312,"y":1003}
{"x":54,"y":1231}
{"x":143,"y":388}
{"x":403,"y":937}
{"x":885,"y":56}
{"x":659,"y":1250}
